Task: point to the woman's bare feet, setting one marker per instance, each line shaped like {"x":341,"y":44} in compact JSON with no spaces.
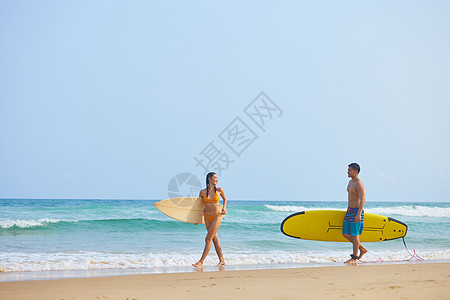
{"x":198,"y":264}
{"x":221,"y":263}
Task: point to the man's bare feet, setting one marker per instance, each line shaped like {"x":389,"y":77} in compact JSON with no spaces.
{"x":221,"y":263}
{"x":351,"y":261}
{"x":362,"y":251}
{"x":198,"y":264}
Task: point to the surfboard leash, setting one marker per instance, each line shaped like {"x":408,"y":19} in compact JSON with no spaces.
{"x":413,"y":255}
{"x":417,"y":256}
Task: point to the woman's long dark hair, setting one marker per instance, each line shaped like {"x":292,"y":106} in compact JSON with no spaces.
{"x":208,"y":176}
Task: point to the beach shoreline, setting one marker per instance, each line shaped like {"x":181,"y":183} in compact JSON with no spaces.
{"x":389,"y":281}
{"x":92,"y":273}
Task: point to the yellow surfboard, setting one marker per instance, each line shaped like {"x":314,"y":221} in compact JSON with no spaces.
{"x":326,"y":225}
{"x":184,"y":209}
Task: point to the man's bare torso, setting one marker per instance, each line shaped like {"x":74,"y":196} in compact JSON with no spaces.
{"x":354,"y":199}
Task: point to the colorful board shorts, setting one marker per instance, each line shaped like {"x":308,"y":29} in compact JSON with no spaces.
{"x":349,"y":226}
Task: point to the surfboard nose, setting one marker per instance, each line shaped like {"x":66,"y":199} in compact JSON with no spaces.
{"x":286,"y":228}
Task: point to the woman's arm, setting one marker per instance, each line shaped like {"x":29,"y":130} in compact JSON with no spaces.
{"x":222,"y":194}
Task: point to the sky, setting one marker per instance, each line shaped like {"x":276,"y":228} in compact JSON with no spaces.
{"x":137,"y":99}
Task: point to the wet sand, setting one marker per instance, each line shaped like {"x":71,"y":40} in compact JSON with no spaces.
{"x":399,"y":281}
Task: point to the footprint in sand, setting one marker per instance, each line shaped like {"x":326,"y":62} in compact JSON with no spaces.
{"x":207,"y":286}
{"x":395,"y":287}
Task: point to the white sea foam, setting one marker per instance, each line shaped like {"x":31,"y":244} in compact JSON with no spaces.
{"x":412,"y":211}
{"x":287,"y":208}
{"x":8,"y":223}
{"x":24,"y":262}
{"x":403,"y":210}
{"x":293,"y":208}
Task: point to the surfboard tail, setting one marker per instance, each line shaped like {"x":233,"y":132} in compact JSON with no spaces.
{"x":402,"y":231}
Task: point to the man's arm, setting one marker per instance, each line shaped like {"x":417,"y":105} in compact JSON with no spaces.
{"x":362,"y":196}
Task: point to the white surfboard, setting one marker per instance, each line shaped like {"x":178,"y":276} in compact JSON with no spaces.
{"x":184,"y":209}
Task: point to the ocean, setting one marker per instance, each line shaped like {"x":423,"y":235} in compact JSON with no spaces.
{"x":41,"y":239}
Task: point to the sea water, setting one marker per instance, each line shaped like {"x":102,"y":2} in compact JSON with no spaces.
{"x":39,"y":237}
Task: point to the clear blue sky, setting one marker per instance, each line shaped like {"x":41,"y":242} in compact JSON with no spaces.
{"x":112,"y":99}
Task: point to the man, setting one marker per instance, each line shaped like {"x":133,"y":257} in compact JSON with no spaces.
{"x":354,"y":218}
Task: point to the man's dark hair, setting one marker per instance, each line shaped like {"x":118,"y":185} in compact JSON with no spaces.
{"x":355,"y":166}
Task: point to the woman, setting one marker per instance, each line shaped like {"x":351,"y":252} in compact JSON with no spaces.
{"x":213,"y":217}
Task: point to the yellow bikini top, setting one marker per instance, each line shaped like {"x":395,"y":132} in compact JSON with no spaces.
{"x":215,"y":199}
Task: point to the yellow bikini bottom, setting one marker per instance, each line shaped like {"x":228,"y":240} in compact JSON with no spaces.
{"x":211,"y":218}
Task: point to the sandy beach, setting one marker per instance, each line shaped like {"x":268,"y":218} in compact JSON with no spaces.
{"x":400,"y":281}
